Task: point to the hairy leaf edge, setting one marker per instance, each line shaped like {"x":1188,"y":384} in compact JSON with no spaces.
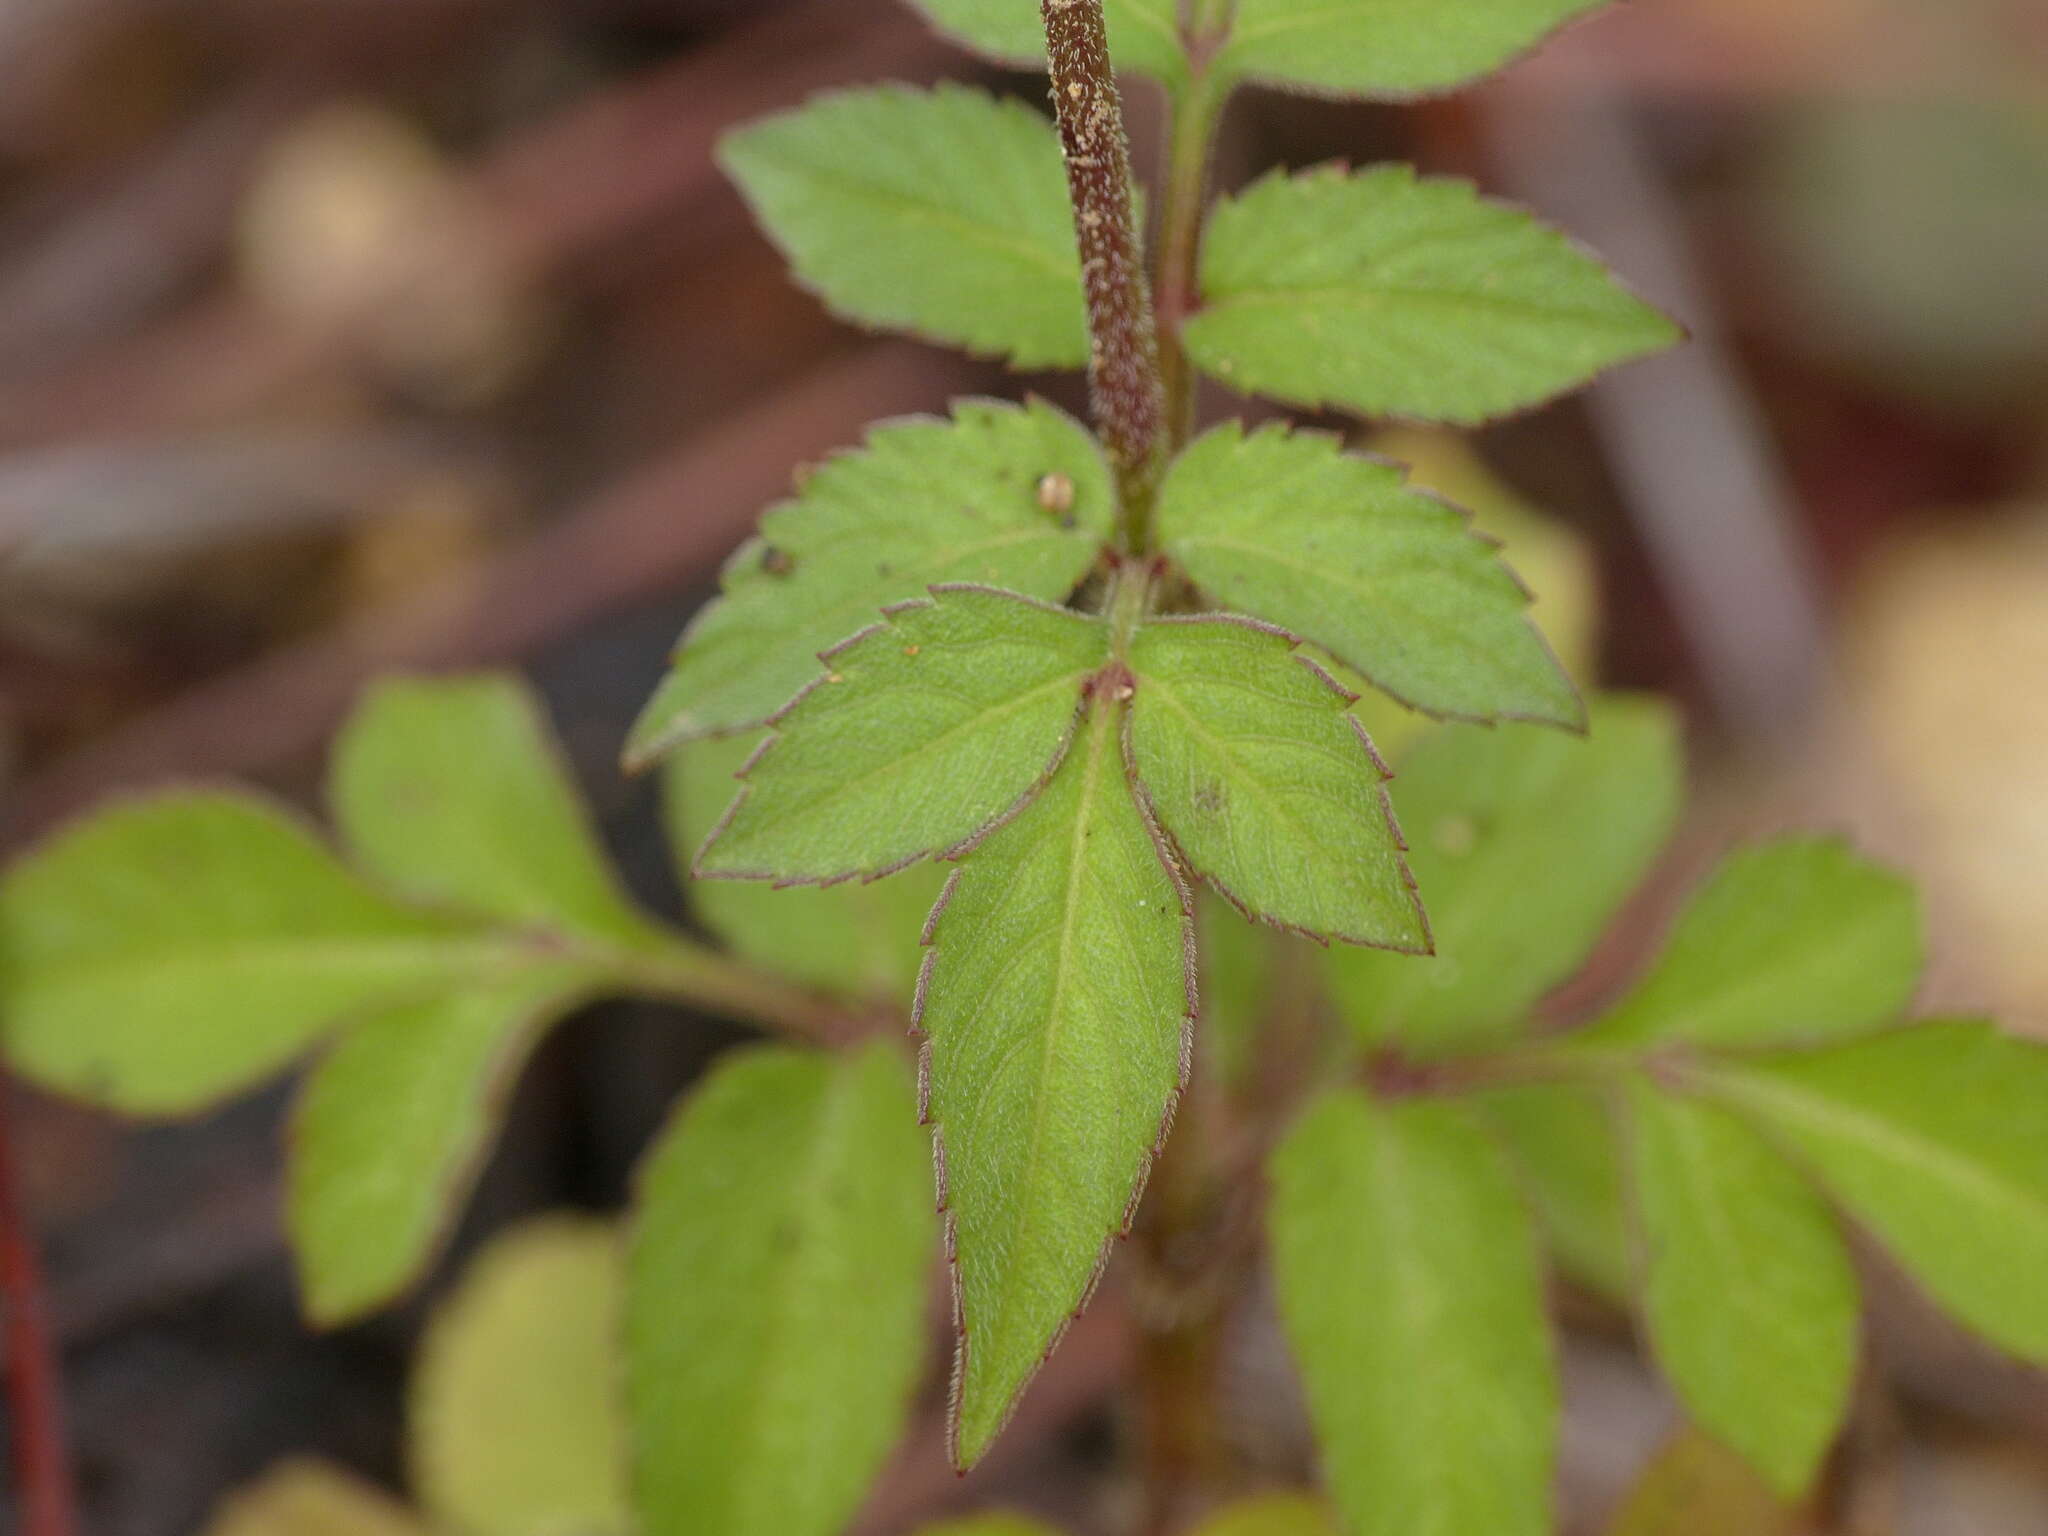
{"x":1680,"y":334}
{"x":1143,"y":794}
{"x":1177,"y":876}
{"x":644,"y":748}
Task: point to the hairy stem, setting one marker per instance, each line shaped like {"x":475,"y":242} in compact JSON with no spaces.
{"x":35,"y":1409}
{"x":1125,"y":387}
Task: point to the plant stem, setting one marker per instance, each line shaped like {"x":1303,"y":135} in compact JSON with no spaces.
{"x":687,"y":973}
{"x":1185,"y":1281}
{"x":1196,"y":110}
{"x":35,"y":1409}
{"x":1124,"y":382}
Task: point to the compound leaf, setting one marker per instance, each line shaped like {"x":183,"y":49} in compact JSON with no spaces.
{"x":1794,"y":941}
{"x":1266,"y":784}
{"x":1747,"y":1286}
{"x":392,"y":1126}
{"x":776,"y":1294}
{"x":516,"y":1428}
{"x":1009,"y":496}
{"x":1274,"y":1514}
{"x":166,"y":953}
{"x":855,"y":941}
{"x":1057,"y":1006}
{"x":1384,"y":48}
{"x":1339,"y":550}
{"x":943,"y":213}
{"x":1144,"y":35}
{"x":1933,"y":1138}
{"x":1410,"y":1289}
{"x":1562,"y":1142}
{"x":1386,"y":294}
{"x":925,"y":732}
{"x":1526,"y":841}
{"x":454,"y":791}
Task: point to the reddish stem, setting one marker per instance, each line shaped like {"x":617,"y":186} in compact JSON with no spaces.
{"x":1124,"y":380}
{"x":35,"y":1410}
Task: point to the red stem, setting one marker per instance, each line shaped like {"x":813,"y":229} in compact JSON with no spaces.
{"x":1124,"y":381}
{"x":35,"y":1408}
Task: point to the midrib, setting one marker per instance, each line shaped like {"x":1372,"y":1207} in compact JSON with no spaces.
{"x":1076,"y":851}
{"x":1882,"y":1141}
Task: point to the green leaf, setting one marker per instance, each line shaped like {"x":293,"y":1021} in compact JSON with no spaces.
{"x":304,"y":1497}
{"x":943,"y":213}
{"x":1933,"y":1138}
{"x":1237,"y":980}
{"x":1144,"y":35}
{"x":999,"y":1523}
{"x":161,"y":955}
{"x":1266,"y":785}
{"x":454,"y":791}
{"x":1747,"y":1287}
{"x":392,"y":1127}
{"x":1339,"y":550}
{"x":1697,"y":1487}
{"x":1385,"y":48}
{"x":1389,"y":295}
{"x":926,"y":731}
{"x":1562,"y":1142}
{"x":1525,"y":841}
{"x":855,"y":941}
{"x":1057,"y":1007}
{"x":516,"y":1428}
{"x":1789,"y":942}
{"x":1009,"y":496}
{"x":1409,"y":1286}
{"x":776,"y":1302}
{"x":1275,"y":1514}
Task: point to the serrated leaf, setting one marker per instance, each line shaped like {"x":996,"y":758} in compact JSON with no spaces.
{"x":1144,"y":35}
{"x":775,"y":1317}
{"x":1698,"y":1487}
{"x":1276,"y":1514}
{"x":855,"y":941}
{"x":1932,"y":1137}
{"x":1747,"y":1287}
{"x":1789,"y":942}
{"x":1410,"y":1289}
{"x":1266,"y":784}
{"x":999,"y":1523}
{"x":1390,"y":295}
{"x":161,"y":955}
{"x":1525,"y":842}
{"x":391,"y":1128}
{"x":1057,"y":1006}
{"x":304,"y":1497}
{"x":925,"y":503}
{"x":1563,"y":1144}
{"x":1339,"y":550}
{"x":943,"y":213}
{"x":1384,"y":48}
{"x":516,"y":1429}
{"x":1554,"y":560}
{"x":925,"y":732}
{"x":454,"y":791}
